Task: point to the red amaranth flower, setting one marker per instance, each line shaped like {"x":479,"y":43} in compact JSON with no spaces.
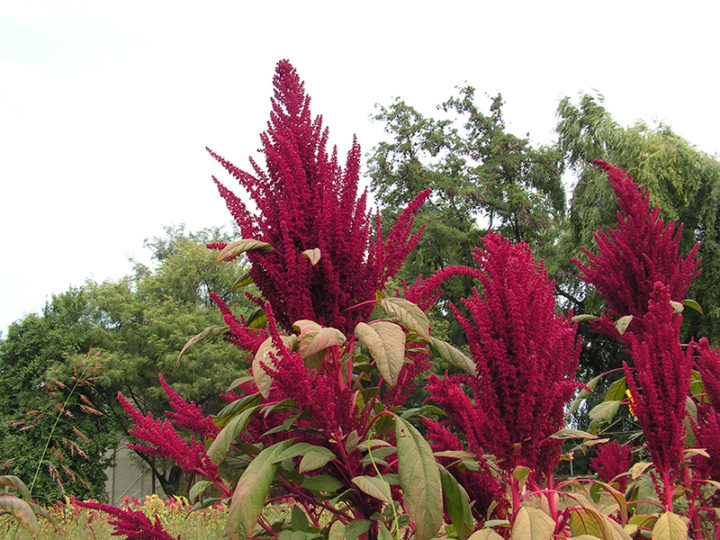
{"x":164,"y":442}
{"x":660,"y":382}
{"x":188,"y":415}
{"x":526,"y":357}
{"x":134,"y":524}
{"x":632,"y":258}
{"x":611,"y":460}
{"x":707,"y":427}
{"x":306,"y":200}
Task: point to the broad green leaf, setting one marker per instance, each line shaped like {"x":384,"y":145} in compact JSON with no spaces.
{"x":313,"y":255}
{"x":221,"y":445}
{"x":209,"y":333}
{"x":386,"y":343}
{"x":582,"y":396}
{"x":351,"y":442}
{"x":456,"y":504}
{"x":622,"y":324}
{"x":693,"y":304}
{"x":383,"y":533}
{"x":20,"y":510}
{"x":313,"y":457}
{"x":455,"y":454}
{"x":604,"y":412}
{"x":355,"y":529}
{"x":238,"y":247}
{"x":239,"y":405}
{"x":419,"y":479}
{"x":242,"y":282}
{"x":584,"y":521}
{"x":325,"y":338}
{"x":372,"y":443}
{"x":616,"y":391}
{"x":572,"y":434}
{"x":298,"y":519}
{"x":322,"y":483}
{"x":485,"y":534}
{"x":262,"y":380}
{"x":373,"y":486}
{"x":407,"y":315}
{"x":15,"y":483}
{"x":584,"y":317}
{"x":251,"y":490}
{"x":669,"y":527}
{"x":453,"y":356}
{"x":639,"y":468}
{"x":197,"y":489}
{"x":532,"y":524}
{"x":305,"y":326}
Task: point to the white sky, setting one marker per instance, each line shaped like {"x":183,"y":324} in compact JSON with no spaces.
{"x":106,"y":108}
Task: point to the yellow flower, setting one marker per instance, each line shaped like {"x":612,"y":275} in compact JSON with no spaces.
{"x":630,"y":403}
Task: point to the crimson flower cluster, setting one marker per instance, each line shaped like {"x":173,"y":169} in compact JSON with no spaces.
{"x":133,"y":524}
{"x":306,"y":200}
{"x":641,"y":251}
{"x":659,"y":381}
{"x":707,"y":427}
{"x":526,"y":358}
{"x":610,"y":461}
{"x":163,"y":441}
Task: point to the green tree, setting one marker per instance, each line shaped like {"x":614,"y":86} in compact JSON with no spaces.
{"x":139,"y":323}
{"x":482,"y":178}
{"x":683,"y":181}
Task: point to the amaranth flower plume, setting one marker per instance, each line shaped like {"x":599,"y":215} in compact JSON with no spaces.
{"x":526,"y":358}
{"x":306,"y":200}
{"x":641,"y":251}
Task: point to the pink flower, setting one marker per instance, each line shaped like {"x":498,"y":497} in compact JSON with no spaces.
{"x":611,"y":460}
{"x":659,"y":383}
{"x":306,"y":200}
{"x":632,"y":258}
{"x":525,"y":355}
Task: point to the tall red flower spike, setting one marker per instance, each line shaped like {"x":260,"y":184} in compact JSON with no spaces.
{"x":630,"y":259}
{"x":305,"y":200}
{"x":526,"y":358}
{"x":659,"y":384}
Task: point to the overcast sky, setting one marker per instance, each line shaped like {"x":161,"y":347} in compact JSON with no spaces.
{"x":106,"y":108}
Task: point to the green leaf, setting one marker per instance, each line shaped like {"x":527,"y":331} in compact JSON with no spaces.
{"x":532,"y":524}
{"x":485,"y":534}
{"x":386,"y":343}
{"x":251,"y":490}
{"x":313,"y":255}
{"x":584,"y":317}
{"x":384,"y":533}
{"x":209,"y":333}
{"x":221,"y":445}
{"x":242,"y":282}
{"x":572,"y":434}
{"x":373,"y":486}
{"x":692,"y":304}
{"x":238,"y":247}
{"x":20,"y":510}
{"x":372,"y":443}
{"x":582,"y":396}
{"x":239,"y":405}
{"x":669,"y":527}
{"x":419,"y":479}
{"x":521,"y":473}
{"x":456,"y":504}
{"x":325,"y":338}
{"x":355,"y":529}
{"x":453,"y":356}
{"x":314,"y":457}
{"x":407,"y":315}
{"x":622,"y":324}
{"x":197,"y":489}
{"x":299,"y":521}
{"x":604,"y":412}
{"x":616,"y":391}
{"x":18,"y":485}
{"x":262,"y":380}
{"x":322,"y":483}
{"x":351,"y":442}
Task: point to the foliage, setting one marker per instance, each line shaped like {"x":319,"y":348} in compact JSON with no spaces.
{"x":683,"y":181}
{"x":322,"y":420}
{"x":482,"y":178}
{"x":140,"y":324}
